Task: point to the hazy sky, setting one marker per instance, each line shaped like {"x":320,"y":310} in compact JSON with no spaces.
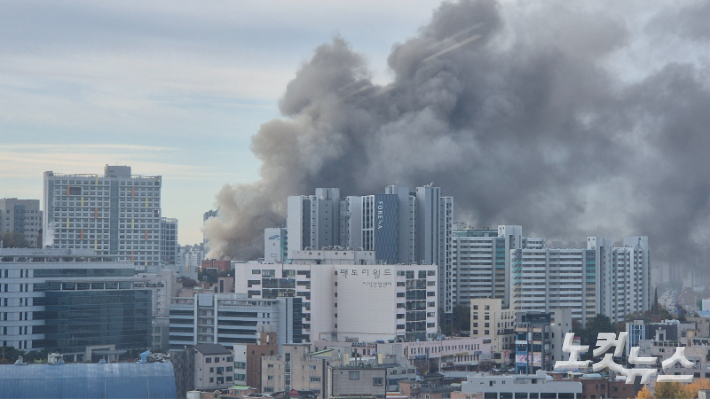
{"x":171,"y":88}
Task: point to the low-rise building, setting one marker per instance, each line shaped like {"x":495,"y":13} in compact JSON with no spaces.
{"x":414,"y":389}
{"x":247,"y":359}
{"x":494,"y":323}
{"x":537,"y":386}
{"x":213,"y":367}
{"x":348,"y":381}
{"x":228,"y":319}
{"x":68,"y":299}
{"x":297,"y":367}
{"x":458,"y":353}
{"x":539,"y":338}
{"x":88,"y":380}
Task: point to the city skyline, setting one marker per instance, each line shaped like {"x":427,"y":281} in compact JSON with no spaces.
{"x":528,"y":112}
{"x":87,"y":84}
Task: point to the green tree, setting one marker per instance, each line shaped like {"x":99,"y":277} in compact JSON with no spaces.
{"x":8,"y":354}
{"x":13,"y":239}
{"x":668,"y":390}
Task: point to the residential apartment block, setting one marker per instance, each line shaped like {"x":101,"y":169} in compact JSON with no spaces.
{"x":21,"y":216}
{"x":494,"y":323}
{"x":399,"y":226}
{"x":526,"y":274}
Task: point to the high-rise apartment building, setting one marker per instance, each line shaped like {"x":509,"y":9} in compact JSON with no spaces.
{"x":547,"y":279}
{"x":22,"y":216}
{"x":528,"y":275}
{"x":400,"y":226}
{"x":314,"y":221}
{"x":601,"y":278}
{"x":480,"y":259}
{"x":169,"y":246}
{"x":114,"y":214}
{"x":624,"y":276}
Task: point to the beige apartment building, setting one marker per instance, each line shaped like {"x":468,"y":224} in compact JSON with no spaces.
{"x":495,"y":324}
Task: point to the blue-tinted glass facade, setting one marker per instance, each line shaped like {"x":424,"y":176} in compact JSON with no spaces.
{"x":385,"y":227}
{"x":77,"y":380}
{"x":76,"y":319}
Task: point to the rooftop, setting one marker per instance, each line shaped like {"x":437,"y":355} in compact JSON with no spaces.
{"x":212,"y":349}
{"x":88,"y":380}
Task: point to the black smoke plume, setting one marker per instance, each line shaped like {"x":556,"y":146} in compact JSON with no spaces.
{"x":542,"y":114}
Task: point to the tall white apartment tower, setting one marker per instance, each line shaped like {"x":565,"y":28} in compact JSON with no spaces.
{"x":351,"y":222}
{"x":513,"y":236}
{"x":624,"y":274}
{"x":480,"y":261}
{"x":314,"y":221}
{"x":114,"y":214}
{"x":325,"y":218}
{"x":434,"y":228}
{"x":298,"y":222}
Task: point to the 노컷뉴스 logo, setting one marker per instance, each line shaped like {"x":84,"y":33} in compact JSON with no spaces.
{"x":605,"y":341}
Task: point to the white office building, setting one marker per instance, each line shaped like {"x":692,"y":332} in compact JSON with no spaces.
{"x":367,"y":302}
{"x":22,"y":216}
{"x":227,"y":319}
{"x":59,"y":299}
{"x":114,"y":214}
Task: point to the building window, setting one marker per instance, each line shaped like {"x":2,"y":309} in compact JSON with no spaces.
{"x":315,"y":379}
{"x":354,"y":375}
{"x":208,"y":360}
{"x":270,"y":377}
{"x":378,"y":381}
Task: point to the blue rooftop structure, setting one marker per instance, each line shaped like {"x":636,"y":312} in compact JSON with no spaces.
{"x":88,"y":380}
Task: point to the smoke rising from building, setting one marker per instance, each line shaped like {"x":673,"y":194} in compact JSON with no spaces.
{"x":545,"y":117}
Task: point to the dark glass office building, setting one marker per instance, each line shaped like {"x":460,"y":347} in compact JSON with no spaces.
{"x":77,"y":319}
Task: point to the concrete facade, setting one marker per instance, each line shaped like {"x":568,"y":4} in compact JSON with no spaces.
{"x":227,"y":319}
{"x":275,"y":245}
{"x":21,"y":216}
{"x":114,"y":214}
{"x":213,"y":367}
{"x":538,"y":385}
{"x":345,"y":301}
{"x":247,"y":359}
{"x":351,"y":381}
{"x":494,"y":323}
{"x":33,"y":279}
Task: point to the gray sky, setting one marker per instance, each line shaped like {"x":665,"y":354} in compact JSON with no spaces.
{"x":570,"y":118}
{"x":172,"y":88}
